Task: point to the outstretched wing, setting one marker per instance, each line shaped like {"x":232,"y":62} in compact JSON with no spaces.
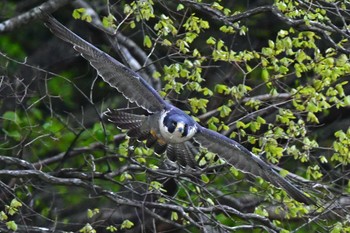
{"x":242,"y":159}
{"x":126,"y":81}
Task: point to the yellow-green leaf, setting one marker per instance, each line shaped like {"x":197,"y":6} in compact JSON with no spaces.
{"x":205,"y":178}
{"x":11,"y":225}
{"x":174,"y":216}
{"x":147,"y":42}
{"x":127,"y":224}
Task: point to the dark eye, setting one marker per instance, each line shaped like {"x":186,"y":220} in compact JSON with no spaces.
{"x":173,"y":123}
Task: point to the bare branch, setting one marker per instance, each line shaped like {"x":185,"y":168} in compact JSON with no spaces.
{"x":264,"y":97}
{"x":16,"y":161}
{"x":35,"y":13}
{"x":33,"y":229}
{"x":213,"y":13}
{"x":72,"y":153}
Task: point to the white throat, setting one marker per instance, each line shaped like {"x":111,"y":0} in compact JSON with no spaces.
{"x":176,"y":136}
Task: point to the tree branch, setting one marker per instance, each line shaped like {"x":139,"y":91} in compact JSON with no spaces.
{"x":322,"y":29}
{"x":72,"y":153}
{"x":134,"y":203}
{"x":32,"y":229}
{"x":213,"y":13}
{"x":35,"y":13}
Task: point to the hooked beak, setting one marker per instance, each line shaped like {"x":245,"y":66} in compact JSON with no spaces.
{"x":180,"y":127}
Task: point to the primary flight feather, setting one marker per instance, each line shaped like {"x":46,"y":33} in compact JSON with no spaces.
{"x":167,"y":128}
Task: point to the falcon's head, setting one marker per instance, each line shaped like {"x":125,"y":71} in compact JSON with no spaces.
{"x":176,"y":126}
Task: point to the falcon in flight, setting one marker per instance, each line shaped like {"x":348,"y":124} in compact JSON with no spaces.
{"x":167,"y":128}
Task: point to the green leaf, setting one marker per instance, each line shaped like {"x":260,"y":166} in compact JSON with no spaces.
{"x":222,"y":89}
{"x":207,"y":91}
{"x":155,"y":185}
{"x":273,"y":151}
{"x":224,"y":111}
{"x":311,"y":117}
{"x":265,"y":75}
{"x":127,"y":9}
{"x":323,"y":159}
{"x":87,"y":229}
{"x":11,"y":225}
{"x":227,"y":29}
{"x":261,"y":210}
{"x":166,"y":42}
{"x":210,"y":201}
{"x":125,"y":176}
{"x":260,"y":120}
{"x":15,"y":134}
{"x":211,"y":41}
{"x":202,"y":162}
{"x":81,"y":13}
{"x":217,"y":6}
{"x":141,"y":160}
{"x":86,"y":18}
{"x":346,"y":101}
{"x":342,"y":60}
{"x":3,"y":216}
{"x":127,"y":224}
{"x":234,"y":171}
{"x":240,"y":124}
{"x":53,"y":126}
{"x":138,"y":151}
{"x":153,"y":167}
{"x":11,"y":116}
{"x":180,"y":7}
{"x":56,"y":86}
{"x":147,"y":42}
{"x":205,"y":178}
{"x":312,"y":107}
{"x":198,"y":104}
{"x":111,"y":228}
{"x":77,"y":13}
{"x":212,"y":126}
{"x":108,"y":21}
{"x":15,"y":203}
{"x":12,"y":209}
{"x":91,"y":213}
{"x":254,"y":126}
{"x":174,"y":216}
{"x":284,"y":172}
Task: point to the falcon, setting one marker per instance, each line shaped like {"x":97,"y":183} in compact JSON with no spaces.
{"x":166,"y":127}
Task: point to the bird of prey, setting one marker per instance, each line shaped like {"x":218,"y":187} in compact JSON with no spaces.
{"x":166,"y":127}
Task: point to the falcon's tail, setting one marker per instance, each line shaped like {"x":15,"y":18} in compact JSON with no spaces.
{"x":183,"y":153}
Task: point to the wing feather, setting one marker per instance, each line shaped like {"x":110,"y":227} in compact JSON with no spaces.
{"x":118,"y":76}
{"x":242,"y":159}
